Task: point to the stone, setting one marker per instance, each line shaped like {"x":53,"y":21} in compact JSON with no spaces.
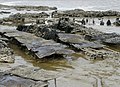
{"x":38,"y":46}
{"x":64,"y":25}
{"x":78,"y":41}
{"x":15,"y":81}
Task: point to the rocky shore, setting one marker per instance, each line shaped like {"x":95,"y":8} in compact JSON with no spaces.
{"x":82,"y":13}
{"x":57,"y":36}
{"x":76,"y":36}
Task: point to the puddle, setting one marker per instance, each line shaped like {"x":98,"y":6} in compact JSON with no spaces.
{"x":47,"y":64}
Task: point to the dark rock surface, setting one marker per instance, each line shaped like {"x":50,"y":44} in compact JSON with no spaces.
{"x":40,"y":47}
{"x":82,"y":38}
{"x":17,"y":81}
{"x":82,"y":13}
{"x":28,"y":8}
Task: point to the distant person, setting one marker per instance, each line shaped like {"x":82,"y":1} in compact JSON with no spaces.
{"x":83,"y":21}
{"x":93,"y":22}
{"x":102,"y":22}
{"x":86,"y":20}
{"x":108,"y":23}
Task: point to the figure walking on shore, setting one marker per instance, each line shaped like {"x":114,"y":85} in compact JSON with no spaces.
{"x":102,"y":22}
{"x":86,"y":20}
{"x":108,"y":23}
{"x":93,"y":22}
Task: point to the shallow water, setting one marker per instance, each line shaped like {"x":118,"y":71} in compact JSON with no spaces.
{"x":47,"y":64}
{"x":69,"y":4}
{"x":62,"y":65}
{"x":73,"y":71}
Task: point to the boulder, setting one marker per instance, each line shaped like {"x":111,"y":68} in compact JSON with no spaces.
{"x":65,"y":25}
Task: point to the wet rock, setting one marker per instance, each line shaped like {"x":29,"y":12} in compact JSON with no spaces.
{"x":64,"y":24}
{"x":78,"y":41}
{"x":82,"y":13}
{"x":15,"y":81}
{"x":40,"y":47}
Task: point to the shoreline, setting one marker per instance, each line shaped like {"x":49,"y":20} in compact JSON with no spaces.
{"x":74,"y":54}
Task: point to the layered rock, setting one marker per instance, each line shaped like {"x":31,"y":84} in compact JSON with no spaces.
{"x":15,"y":81}
{"x":86,"y":40}
{"x":39,"y":47}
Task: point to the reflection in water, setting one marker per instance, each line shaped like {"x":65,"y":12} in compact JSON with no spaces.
{"x":49,"y":64}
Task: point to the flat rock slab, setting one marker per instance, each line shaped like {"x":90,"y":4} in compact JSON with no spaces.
{"x":44,"y":52}
{"x":34,"y":73}
{"x":87,"y":44}
{"x":17,"y":81}
{"x":78,"y":41}
{"x":41,"y":47}
{"x":70,"y":38}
